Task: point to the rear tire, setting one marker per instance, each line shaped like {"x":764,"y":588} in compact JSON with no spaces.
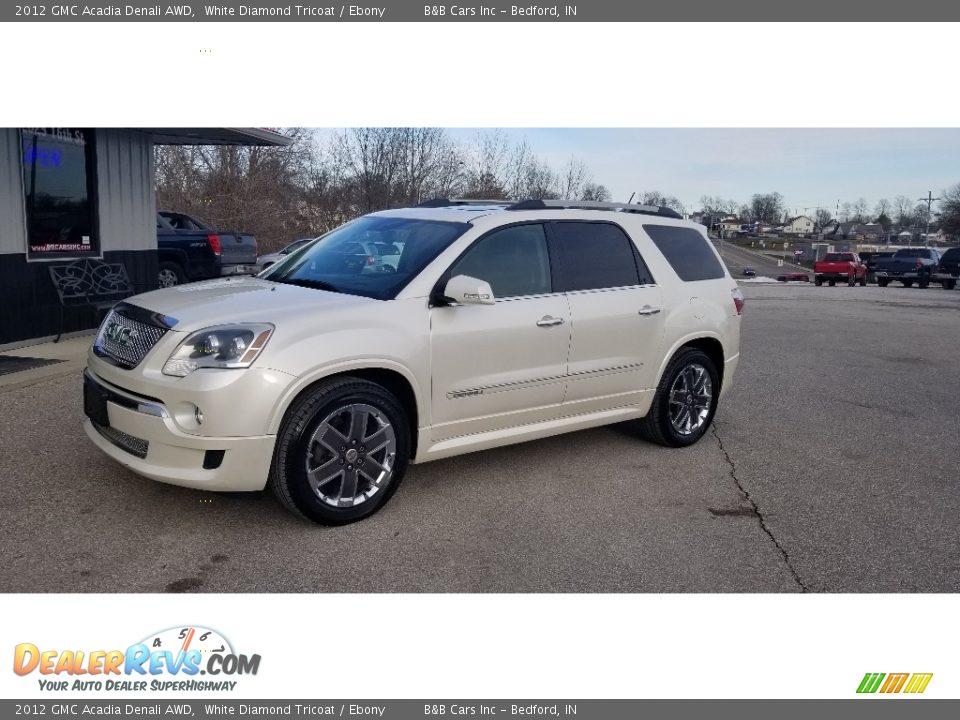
{"x":170,"y":274}
{"x":949,"y":284}
{"x":908,"y":283}
{"x":923,"y":283}
{"x":863,"y":280}
{"x":883,"y":282}
{"x":833,"y":283}
{"x":339,"y":427}
{"x":666,"y":423}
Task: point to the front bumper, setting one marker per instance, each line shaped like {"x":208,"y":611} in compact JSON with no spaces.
{"x":143,"y":434}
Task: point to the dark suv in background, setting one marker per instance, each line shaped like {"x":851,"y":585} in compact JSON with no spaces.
{"x":948,"y":269}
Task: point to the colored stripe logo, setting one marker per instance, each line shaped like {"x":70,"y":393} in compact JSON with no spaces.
{"x":912,"y":683}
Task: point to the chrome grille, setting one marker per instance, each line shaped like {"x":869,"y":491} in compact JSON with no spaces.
{"x":129,"y":443}
{"x":125,"y":340}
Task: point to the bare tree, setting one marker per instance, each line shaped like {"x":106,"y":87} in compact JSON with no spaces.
{"x":573,"y":176}
{"x":658,"y":199}
{"x":861,"y":211}
{"x":593,"y":191}
{"x":282,"y":193}
{"x":767,"y":208}
{"x":822,"y":218}
{"x":950,"y":211}
{"x":903,"y":210}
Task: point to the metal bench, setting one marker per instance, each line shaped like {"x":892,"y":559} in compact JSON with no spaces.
{"x":89,"y":282}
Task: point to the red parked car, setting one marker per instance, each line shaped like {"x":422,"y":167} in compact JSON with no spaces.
{"x":844,"y":266}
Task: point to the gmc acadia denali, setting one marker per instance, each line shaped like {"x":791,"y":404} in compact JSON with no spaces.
{"x":493,"y":323}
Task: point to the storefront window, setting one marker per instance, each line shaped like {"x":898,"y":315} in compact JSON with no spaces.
{"x":58,"y":183}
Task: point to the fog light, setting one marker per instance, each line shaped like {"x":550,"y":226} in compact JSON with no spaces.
{"x":198,"y":414}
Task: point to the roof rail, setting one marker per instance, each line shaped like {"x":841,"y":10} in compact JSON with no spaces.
{"x":448,"y":202}
{"x":595,"y":205}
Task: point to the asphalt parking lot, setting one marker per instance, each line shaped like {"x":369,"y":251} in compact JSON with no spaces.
{"x":833,"y":468}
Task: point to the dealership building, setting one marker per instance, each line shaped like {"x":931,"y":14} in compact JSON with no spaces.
{"x":71,"y":193}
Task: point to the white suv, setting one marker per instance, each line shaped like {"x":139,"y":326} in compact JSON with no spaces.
{"x":325,"y":376}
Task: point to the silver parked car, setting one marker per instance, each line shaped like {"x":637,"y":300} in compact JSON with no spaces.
{"x":265,"y":261}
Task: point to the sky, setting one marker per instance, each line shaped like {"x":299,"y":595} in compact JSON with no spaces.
{"x":809,"y":167}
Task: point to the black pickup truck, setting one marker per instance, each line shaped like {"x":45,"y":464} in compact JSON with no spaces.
{"x":908,"y":265}
{"x":189,"y":249}
{"x":871,"y":259}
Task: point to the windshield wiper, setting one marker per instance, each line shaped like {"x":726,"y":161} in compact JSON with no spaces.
{"x":307,"y":283}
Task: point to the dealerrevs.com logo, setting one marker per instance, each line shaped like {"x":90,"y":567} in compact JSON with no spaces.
{"x":176,"y":659}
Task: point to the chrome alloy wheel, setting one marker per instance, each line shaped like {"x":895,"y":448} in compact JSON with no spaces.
{"x":691,"y":396}
{"x":351,"y":454}
{"x":167,"y":278}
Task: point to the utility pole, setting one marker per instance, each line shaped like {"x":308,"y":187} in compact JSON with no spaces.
{"x":929,"y":198}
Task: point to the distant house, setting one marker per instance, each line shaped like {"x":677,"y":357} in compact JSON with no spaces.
{"x":862,"y":232}
{"x":730,"y":226}
{"x":867,"y":232}
{"x":800,"y":225}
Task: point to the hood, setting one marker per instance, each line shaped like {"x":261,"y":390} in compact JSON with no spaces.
{"x":243,"y":299}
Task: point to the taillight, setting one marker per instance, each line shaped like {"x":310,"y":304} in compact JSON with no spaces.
{"x":214,"y":242}
{"x":370,"y":260}
{"x":919,"y":263}
{"x":738,"y":300}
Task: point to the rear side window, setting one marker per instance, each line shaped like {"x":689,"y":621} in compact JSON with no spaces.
{"x":591,"y":256}
{"x":687,"y":251}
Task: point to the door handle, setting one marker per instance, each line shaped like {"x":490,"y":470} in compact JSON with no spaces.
{"x":549,"y":321}
{"x":647,"y":310}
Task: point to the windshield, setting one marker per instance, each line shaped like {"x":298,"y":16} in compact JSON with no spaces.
{"x":372,"y":256}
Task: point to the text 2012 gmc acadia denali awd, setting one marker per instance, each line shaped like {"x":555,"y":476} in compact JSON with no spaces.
{"x":480,"y":324}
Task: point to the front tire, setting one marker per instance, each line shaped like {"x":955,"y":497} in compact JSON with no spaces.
{"x":685,"y":401}
{"x":342,"y":451}
{"x":818,"y":281}
{"x":883,"y":282}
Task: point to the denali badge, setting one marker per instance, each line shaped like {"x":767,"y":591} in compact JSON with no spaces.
{"x":119,"y":334}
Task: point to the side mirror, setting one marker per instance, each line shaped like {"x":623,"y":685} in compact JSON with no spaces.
{"x":468,"y":291}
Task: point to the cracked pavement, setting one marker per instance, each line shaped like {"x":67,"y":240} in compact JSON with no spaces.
{"x":832,"y":467}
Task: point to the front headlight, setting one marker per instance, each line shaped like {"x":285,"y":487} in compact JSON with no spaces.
{"x":224,"y":346}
